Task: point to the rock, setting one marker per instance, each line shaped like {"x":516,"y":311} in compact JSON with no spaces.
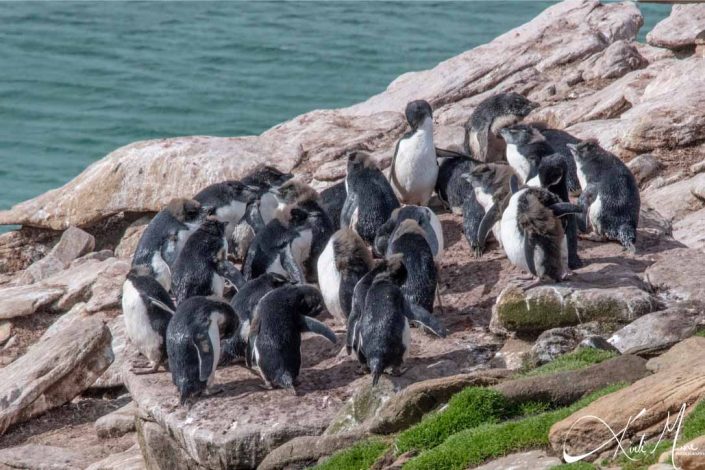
{"x":597,"y":342}
{"x":685,"y":27}
{"x":565,"y":388}
{"x":107,"y":290}
{"x":676,"y":200}
{"x":534,"y":459}
{"x":21,"y":248}
{"x":41,"y":457}
{"x":78,"y":280}
{"x":25,"y":300}
{"x":304,"y":451}
{"x":128,"y":243}
{"x":697,"y":167}
{"x":54,"y":370}
{"x":160,"y":451}
{"x":73,"y":244}
{"x":651,"y":222}
{"x":112,"y":377}
{"x":117,"y":423}
{"x":689,"y":456}
{"x":675,"y":356}
{"x":412,"y":403}
{"x":617,"y":60}
{"x":690,"y":230}
{"x":657,"y":331}
{"x":679,"y":272}
{"x":362,"y":407}
{"x":131,"y":459}
{"x":143,"y":176}
{"x":644,"y":167}
{"x":553,"y":343}
{"x":661,"y":395}
{"x":5,"y":332}
{"x":513,"y":355}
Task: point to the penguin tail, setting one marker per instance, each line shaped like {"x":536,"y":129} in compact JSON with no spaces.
{"x":627,"y":236}
{"x":376,"y":369}
{"x":287,"y":382}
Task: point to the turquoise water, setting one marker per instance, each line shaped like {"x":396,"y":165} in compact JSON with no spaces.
{"x":78,"y":80}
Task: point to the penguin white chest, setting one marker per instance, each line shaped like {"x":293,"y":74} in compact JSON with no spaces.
{"x":329,"y":281}
{"x":301,"y":246}
{"x":161,"y":271}
{"x":231,"y":216}
{"x":518,"y":162}
{"x":268,"y":207}
{"x":415,"y":167}
{"x":581,"y":175}
{"x":512,"y":238}
{"x":217,"y":285}
{"x":486,"y":201}
{"x":214,"y":336}
{"x":137,"y":326}
{"x":595,"y":212}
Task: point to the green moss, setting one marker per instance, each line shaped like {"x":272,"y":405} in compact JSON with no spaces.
{"x":700,"y":333}
{"x":574,"y":466}
{"x":476,"y":445}
{"x":693,"y":424}
{"x":581,"y":357}
{"x":468,"y":408}
{"x":359,"y":457}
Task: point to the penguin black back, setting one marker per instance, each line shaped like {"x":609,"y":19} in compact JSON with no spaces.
{"x":265,"y":177}
{"x":451,"y":187}
{"x":333,"y":200}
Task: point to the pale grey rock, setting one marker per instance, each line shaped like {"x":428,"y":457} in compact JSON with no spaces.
{"x":534,"y":459}
{"x":112,"y":377}
{"x":54,"y":370}
{"x":690,"y":230}
{"x":5,"y":331}
{"x":616,"y":61}
{"x":117,"y":423}
{"x":41,"y":457}
{"x":73,"y":244}
{"x":644,"y":167}
{"x":513,"y":355}
{"x":362,"y":407}
{"x":677,"y":200}
{"x":25,"y":300}
{"x":128,"y":243}
{"x":305,"y":451}
{"x":553,"y":343}
{"x":685,"y":27}
{"x":107,"y":289}
{"x":679,"y":274}
{"x":131,"y":459}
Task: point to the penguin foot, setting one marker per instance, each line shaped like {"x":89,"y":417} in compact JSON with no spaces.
{"x":266,"y":387}
{"x":211,"y":391}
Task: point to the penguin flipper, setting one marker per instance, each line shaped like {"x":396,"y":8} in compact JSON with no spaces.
{"x":346,"y":214}
{"x":422,"y":317}
{"x":513,"y":184}
{"x":488,"y":221}
{"x":291,"y":266}
{"x":314,"y":326}
{"x":204,"y":349}
{"x":161,"y":305}
{"x":529,"y":249}
{"x":561,"y":209}
{"x":231,"y":274}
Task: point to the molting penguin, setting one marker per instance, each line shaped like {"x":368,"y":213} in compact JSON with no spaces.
{"x":490,"y":182}
{"x":281,"y":247}
{"x":414,"y":167}
{"x":610,"y":197}
{"x":274,"y":345}
{"x":200,"y":267}
{"x":425,"y":218}
{"x":342,"y":264}
{"x":378,"y":326}
{"x":165,"y":236}
{"x":452,"y":189}
{"x":532,"y":233}
{"x":193,"y":343}
{"x":244,"y":303}
{"x":333,"y":200}
{"x":370,"y":198}
{"x":492,"y":114}
{"x":228,"y":201}
{"x":147,"y":310}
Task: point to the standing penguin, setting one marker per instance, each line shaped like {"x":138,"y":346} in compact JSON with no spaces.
{"x":147,"y":310}
{"x":193,"y":343}
{"x":333,"y":200}
{"x":342,"y":264}
{"x":425,"y":218}
{"x":610,"y":197}
{"x":370,"y":199}
{"x":414,"y":167}
{"x":165,"y":237}
{"x":490,"y":182}
{"x":199,"y":268}
{"x":532,"y":233}
{"x":274,"y":345}
{"x":228,"y":201}
{"x":482,"y":129}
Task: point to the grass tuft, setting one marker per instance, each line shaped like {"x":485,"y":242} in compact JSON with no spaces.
{"x":578,"y":359}
{"x":574,"y":466}
{"x":358,"y":457}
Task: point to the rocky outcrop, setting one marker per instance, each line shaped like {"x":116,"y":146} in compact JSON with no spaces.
{"x":684,"y":28}
{"x":679,"y":273}
{"x":117,"y":423}
{"x":41,"y":457}
{"x":73,"y":244}
{"x":305,"y":451}
{"x":112,"y":377}
{"x":131,"y":459}
{"x":54,"y":370}
{"x":535,"y":460}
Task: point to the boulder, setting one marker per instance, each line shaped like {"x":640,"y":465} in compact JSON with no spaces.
{"x":362,"y":407}
{"x":41,"y":457}
{"x":54,"y":370}
{"x":564,"y":388}
{"x":304,"y":451}
{"x":513,"y":355}
{"x":117,"y":423}
{"x":658,"y":330}
{"x":689,"y":456}
{"x":131,"y":459}
{"x":112,"y":377}
{"x":644,"y":167}
{"x":533,"y":459}
{"x":25,"y":300}
{"x":677,"y":200}
{"x":553,"y":343}
{"x":5,"y":332}
{"x":690,"y":230}
{"x":679,"y":272}
{"x":107,"y":290}
{"x":662,"y":395}
{"x":128,"y":243}
{"x":674,"y":356}
{"x":685,"y":27}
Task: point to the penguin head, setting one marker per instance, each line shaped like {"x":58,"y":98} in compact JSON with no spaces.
{"x":186,"y":211}
{"x":393,"y":269}
{"x":521,"y":134}
{"x":585,"y":151}
{"x":265,"y":177}
{"x":297,"y":218}
{"x":293,"y":191}
{"x":481,"y":176}
{"x":241,"y":192}
{"x":275,"y":280}
{"x":358,"y":160}
{"x":551,"y":170}
{"x":309,"y":300}
{"x":515,"y":104}
{"x":416,"y":112}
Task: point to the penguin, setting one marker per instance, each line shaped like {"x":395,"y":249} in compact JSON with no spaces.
{"x":411,"y":241}
{"x":370,"y":198}
{"x":610,"y":197}
{"x":147,"y":310}
{"x":199,"y":269}
{"x":452,"y":189}
{"x":193,"y":343}
{"x":492,"y":114}
{"x":333,"y":200}
{"x":559,"y":140}
{"x":532,"y":233}
{"x":244,"y":303}
{"x":165,"y":237}
{"x":414,"y":167}
{"x":344,"y":261}
{"x":228,"y":200}
{"x":281,"y":247}
{"x":425,"y":218}
{"x":536,"y":164}
{"x":378,"y":327}
{"x":274,"y":344}
{"x":490,"y":182}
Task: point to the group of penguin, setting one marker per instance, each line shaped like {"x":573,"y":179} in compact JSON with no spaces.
{"x":370,"y":242}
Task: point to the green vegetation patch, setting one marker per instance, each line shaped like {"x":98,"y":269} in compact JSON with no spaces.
{"x":578,"y":359}
{"x":478,"y":444}
{"x":358,"y":457}
{"x":574,"y":466}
